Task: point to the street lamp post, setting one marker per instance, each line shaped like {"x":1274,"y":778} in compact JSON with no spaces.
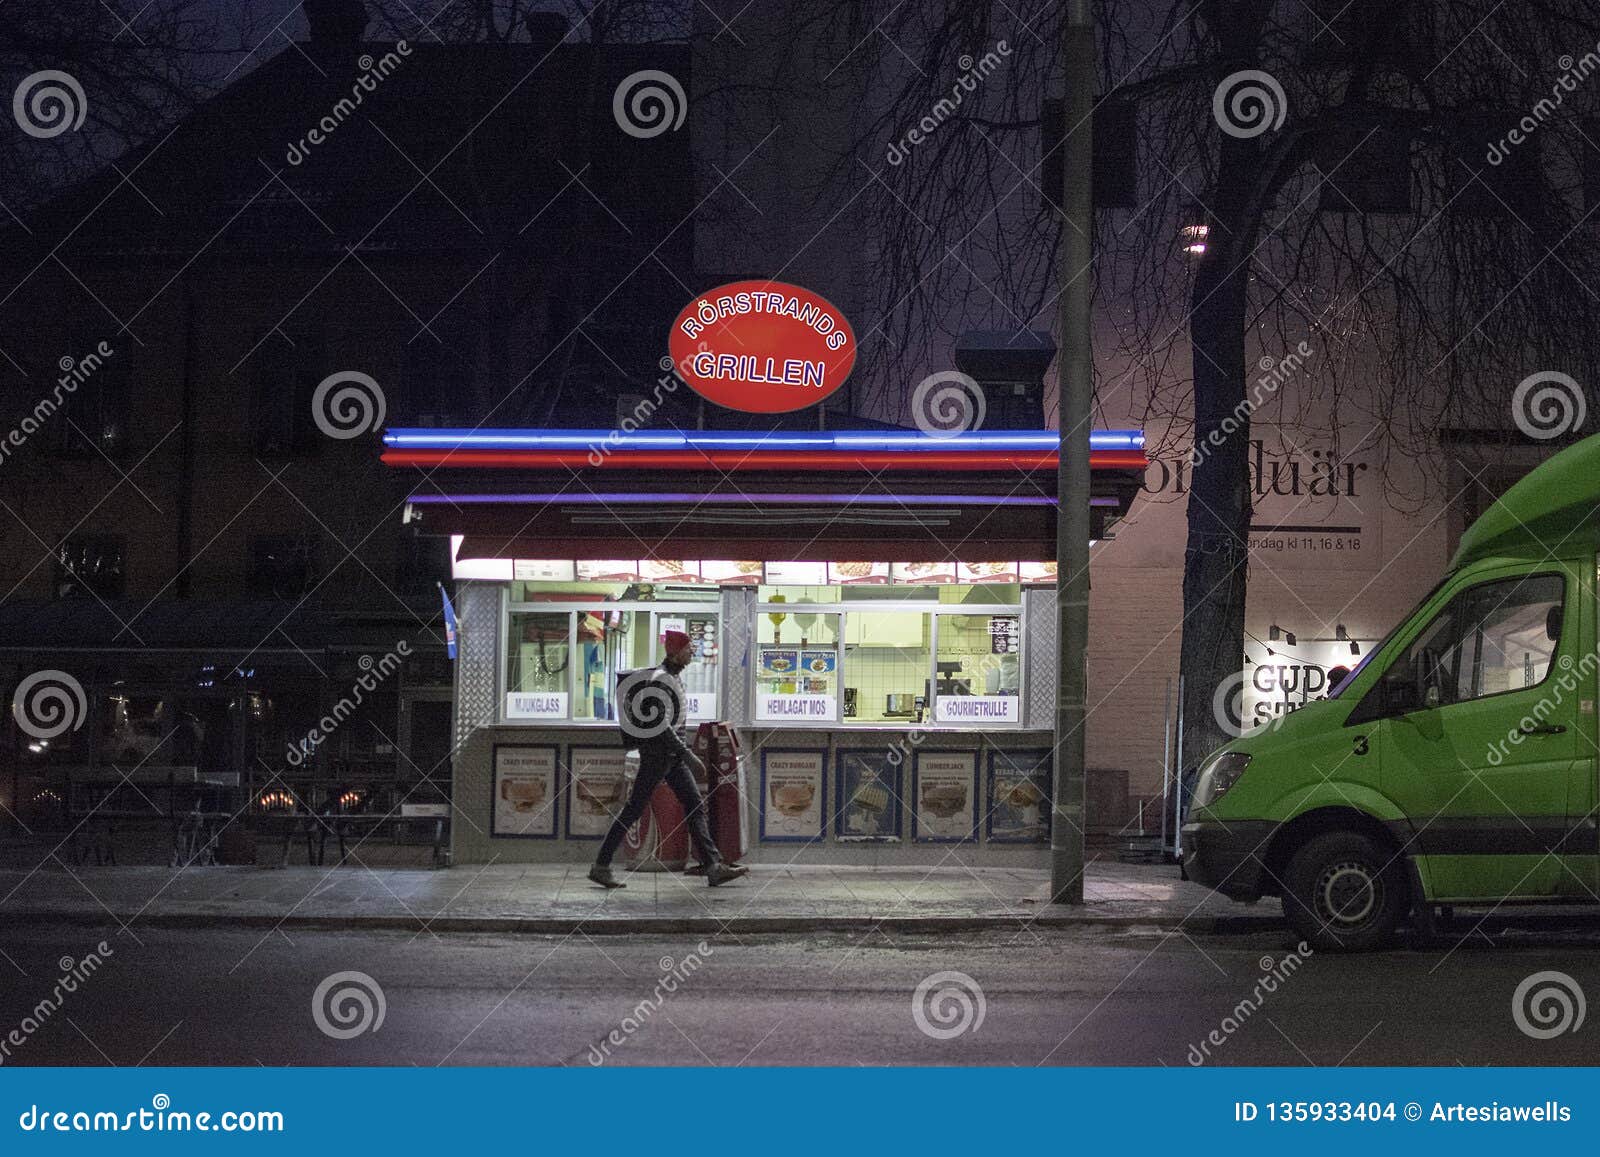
{"x":1075,"y":377}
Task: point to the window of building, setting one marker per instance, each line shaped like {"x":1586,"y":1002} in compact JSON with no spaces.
{"x":798,"y":654}
{"x":93,"y":421}
{"x":91,"y":566}
{"x":30,"y":754}
{"x":866,"y":657}
{"x":284,"y":566}
{"x":161,"y":728}
{"x":282,"y":423}
{"x":438,"y":378}
{"x":610,"y":642}
{"x":1477,"y":484}
{"x":423,"y":560}
{"x":872,"y":659}
{"x":702,"y":679}
{"x":979,"y":669}
{"x":565,"y":664}
{"x":886,"y":655}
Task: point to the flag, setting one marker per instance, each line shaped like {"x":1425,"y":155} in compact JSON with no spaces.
{"x":449,"y":621}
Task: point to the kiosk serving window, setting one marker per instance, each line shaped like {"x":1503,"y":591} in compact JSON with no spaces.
{"x":566,"y":649}
{"x":888,"y":652}
{"x":979,"y":669}
{"x":874,"y":656}
{"x":869,"y":654}
{"x":797,"y":664}
{"x":540,"y":656}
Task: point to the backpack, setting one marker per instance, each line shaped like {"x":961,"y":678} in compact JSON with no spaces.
{"x":638,"y":710}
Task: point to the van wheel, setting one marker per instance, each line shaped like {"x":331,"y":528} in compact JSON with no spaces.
{"x":1345,"y":892}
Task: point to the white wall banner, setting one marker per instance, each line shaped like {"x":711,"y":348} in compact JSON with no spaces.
{"x":1315,"y":504}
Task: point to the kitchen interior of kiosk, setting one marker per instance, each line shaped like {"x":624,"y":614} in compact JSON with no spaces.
{"x":883,"y":657}
{"x":609,"y":641}
{"x":877,"y":663}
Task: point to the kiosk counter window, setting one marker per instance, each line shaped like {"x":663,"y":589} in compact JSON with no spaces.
{"x":567,"y":645}
{"x":888,"y":662}
{"x":886,"y":657}
{"x":797,"y":664}
{"x":540,"y":655}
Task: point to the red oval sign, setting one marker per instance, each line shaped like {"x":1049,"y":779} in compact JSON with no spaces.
{"x":762,"y":347}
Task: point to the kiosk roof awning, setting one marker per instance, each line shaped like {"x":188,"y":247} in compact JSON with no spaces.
{"x":847,"y":451}
{"x":781,"y":496}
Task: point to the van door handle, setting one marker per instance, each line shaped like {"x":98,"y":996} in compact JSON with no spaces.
{"x":1543,"y":729}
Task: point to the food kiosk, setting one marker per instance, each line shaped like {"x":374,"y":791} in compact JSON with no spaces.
{"x":873,"y":611}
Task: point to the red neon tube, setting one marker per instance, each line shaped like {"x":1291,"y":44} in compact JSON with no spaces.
{"x":737,"y":460}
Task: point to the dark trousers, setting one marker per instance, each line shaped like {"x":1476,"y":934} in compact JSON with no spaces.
{"x":651,"y":773}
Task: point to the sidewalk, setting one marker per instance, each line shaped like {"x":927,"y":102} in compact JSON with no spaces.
{"x":556,"y":898}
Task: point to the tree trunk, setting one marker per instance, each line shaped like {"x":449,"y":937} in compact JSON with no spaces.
{"x":1215,"y":561}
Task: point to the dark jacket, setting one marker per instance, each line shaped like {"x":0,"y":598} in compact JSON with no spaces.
{"x":651,"y":709}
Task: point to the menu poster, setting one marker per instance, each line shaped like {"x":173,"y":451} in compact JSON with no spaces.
{"x":816,"y":671}
{"x":548,"y":570}
{"x":525,"y":798}
{"x":1019,"y":797}
{"x":793,"y":796}
{"x":597,"y":787}
{"x":1038,"y":572}
{"x":869,"y":796}
{"x":609,"y":570}
{"x":703,"y":632}
{"x":779,"y":662}
{"x":856,"y":573}
{"x":664,"y":570}
{"x":945,"y":791}
{"x":924,"y":572}
{"x":1005,"y":634}
{"x":726,"y":573}
{"x":797,"y":574}
{"x":987,"y":572}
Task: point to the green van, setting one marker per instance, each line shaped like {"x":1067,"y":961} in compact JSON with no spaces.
{"x":1455,"y":764}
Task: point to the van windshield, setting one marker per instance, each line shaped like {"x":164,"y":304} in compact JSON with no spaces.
{"x":1372,"y":652}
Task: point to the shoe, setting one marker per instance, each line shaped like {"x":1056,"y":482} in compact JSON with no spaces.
{"x":719,"y":874}
{"x":603,"y":875}
{"x":696,"y":869}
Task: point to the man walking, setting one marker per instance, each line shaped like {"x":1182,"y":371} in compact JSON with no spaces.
{"x":650,"y":708}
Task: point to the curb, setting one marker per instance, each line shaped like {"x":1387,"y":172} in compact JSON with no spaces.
{"x":645,"y":925}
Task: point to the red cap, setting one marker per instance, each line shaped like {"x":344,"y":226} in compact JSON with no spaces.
{"x":675,"y":641}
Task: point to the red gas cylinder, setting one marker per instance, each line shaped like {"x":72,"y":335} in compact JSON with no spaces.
{"x":659,"y":842}
{"x":717,"y":744}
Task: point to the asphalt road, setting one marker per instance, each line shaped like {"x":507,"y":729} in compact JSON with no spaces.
{"x":1131,"y":997}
